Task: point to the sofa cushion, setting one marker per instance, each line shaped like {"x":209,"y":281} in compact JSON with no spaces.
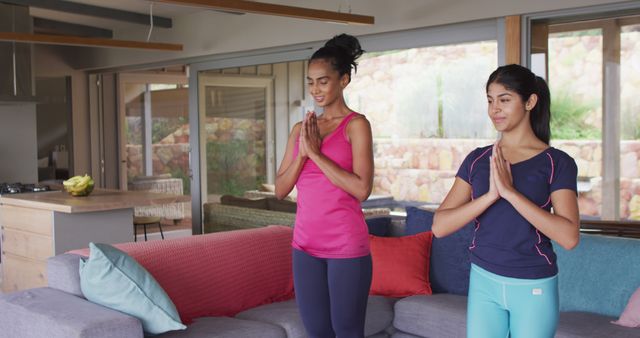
{"x":51,"y":313}
{"x":450,"y":263}
{"x":405,"y":335}
{"x":599,"y":275}
{"x":113,"y":279}
{"x":631,"y":315}
{"x":439,"y":315}
{"x":418,"y":220}
{"x":285,"y":314}
{"x":379,"y":226}
{"x":203,"y":276}
{"x":281,"y":205}
{"x":260,"y":203}
{"x":401,"y":265}
{"x":226,"y":327}
{"x":591,"y":325}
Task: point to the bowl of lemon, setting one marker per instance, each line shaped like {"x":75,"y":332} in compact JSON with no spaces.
{"x":79,"y":185}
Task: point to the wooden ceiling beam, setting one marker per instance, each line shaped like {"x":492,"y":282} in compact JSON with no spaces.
{"x":245,"y":6}
{"x":87,"y":42}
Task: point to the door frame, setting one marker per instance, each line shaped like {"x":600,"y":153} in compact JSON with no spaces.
{"x":226,"y":80}
{"x":135,"y":78}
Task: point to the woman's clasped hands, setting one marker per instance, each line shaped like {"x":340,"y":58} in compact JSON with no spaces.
{"x":310,"y":140}
{"x":500,"y":179}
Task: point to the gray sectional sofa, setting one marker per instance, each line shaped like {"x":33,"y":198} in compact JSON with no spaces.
{"x":596,"y":280}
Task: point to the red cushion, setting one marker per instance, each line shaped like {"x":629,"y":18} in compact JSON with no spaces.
{"x":219,"y":274}
{"x":401,"y":265}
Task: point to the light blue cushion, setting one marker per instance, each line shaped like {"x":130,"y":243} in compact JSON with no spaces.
{"x":599,"y":275}
{"x":113,"y":279}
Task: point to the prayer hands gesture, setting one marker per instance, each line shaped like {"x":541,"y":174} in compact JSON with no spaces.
{"x":500,"y":179}
{"x":310,"y":139}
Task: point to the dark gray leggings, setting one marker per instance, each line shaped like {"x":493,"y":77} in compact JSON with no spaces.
{"x":332,"y":294}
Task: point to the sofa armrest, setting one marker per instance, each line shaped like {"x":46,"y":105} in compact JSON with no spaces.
{"x":63,"y":273}
{"x":51,"y":313}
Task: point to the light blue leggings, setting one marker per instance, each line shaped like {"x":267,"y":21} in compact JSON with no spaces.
{"x":500,"y":306}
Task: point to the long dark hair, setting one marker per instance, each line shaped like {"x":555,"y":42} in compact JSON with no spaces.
{"x":524,"y":82}
{"x":341,"y":51}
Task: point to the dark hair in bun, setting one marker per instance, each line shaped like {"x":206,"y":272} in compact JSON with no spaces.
{"x":342,"y":51}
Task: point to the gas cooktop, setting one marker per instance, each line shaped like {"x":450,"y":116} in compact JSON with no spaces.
{"x":17,"y":188}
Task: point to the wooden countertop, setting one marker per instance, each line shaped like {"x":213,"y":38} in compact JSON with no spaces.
{"x":98,"y":200}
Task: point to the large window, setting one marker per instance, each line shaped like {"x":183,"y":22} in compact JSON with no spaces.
{"x":630,"y":120}
{"x":427,"y":107}
{"x":593,"y":70}
{"x":423,"y":91}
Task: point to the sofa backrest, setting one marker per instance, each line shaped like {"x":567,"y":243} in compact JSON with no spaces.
{"x":217,"y":274}
{"x":599,"y":275}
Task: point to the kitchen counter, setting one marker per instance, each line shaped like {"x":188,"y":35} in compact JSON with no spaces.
{"x":98,"y":200}
{"x":36,"y":226}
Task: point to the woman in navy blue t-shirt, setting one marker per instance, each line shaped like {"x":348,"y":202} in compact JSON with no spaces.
{"x":509,"y":189}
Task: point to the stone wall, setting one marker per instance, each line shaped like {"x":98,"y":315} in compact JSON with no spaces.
{"x":167,"y":159}
{"x":424,"y":170}
{"x":171,"y":154}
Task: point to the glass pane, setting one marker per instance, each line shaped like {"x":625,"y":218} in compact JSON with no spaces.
{"x":235,"y":134}
{"x":169,"y":138}
{"x":576,"y":108}
{"x":54,"y":134}
{"x":415,"y":100}
{"x":630,"y":122}
{"x":134,"y":109}
{"x":170,"y":134}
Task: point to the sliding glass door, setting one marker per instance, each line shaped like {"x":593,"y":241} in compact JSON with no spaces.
{"x":154,"y":143}
{"x":236,"y":134}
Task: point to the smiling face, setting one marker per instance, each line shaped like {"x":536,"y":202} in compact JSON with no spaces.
{"x":325,"y":83}
{"x":506,"y":107}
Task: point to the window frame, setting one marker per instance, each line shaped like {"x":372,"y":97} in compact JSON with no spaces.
{"x":610,"y":83}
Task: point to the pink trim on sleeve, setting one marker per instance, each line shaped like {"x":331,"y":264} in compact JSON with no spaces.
{"x":552,"y":168}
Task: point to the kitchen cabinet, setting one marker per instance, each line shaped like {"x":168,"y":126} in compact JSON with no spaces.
{"x":36,"y":226}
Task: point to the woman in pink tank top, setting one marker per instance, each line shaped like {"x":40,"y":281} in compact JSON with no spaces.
{"x":329,"y":158}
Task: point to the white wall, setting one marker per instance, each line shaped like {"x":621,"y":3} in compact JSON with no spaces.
{"x":208,"y":32}
{"x":18,"y":143}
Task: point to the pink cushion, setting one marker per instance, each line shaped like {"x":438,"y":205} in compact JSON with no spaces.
{"x":219,"y":274}
{"x":630,"y":317}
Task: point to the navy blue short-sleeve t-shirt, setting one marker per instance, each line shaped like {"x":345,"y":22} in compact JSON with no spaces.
{"x":504,"y":242}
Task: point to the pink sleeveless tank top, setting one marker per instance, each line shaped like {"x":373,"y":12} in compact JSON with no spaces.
{"x":329,"y":221}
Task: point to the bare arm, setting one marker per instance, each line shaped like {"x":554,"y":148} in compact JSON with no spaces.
{"x":290,"y":167}
{"x":360,"y":182}
{"x":458,"y":209}
{"x":562,"y":226}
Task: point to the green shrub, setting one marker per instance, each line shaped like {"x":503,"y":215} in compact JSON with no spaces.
{"x":234,"y":166}
{"x":568,"y":118}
